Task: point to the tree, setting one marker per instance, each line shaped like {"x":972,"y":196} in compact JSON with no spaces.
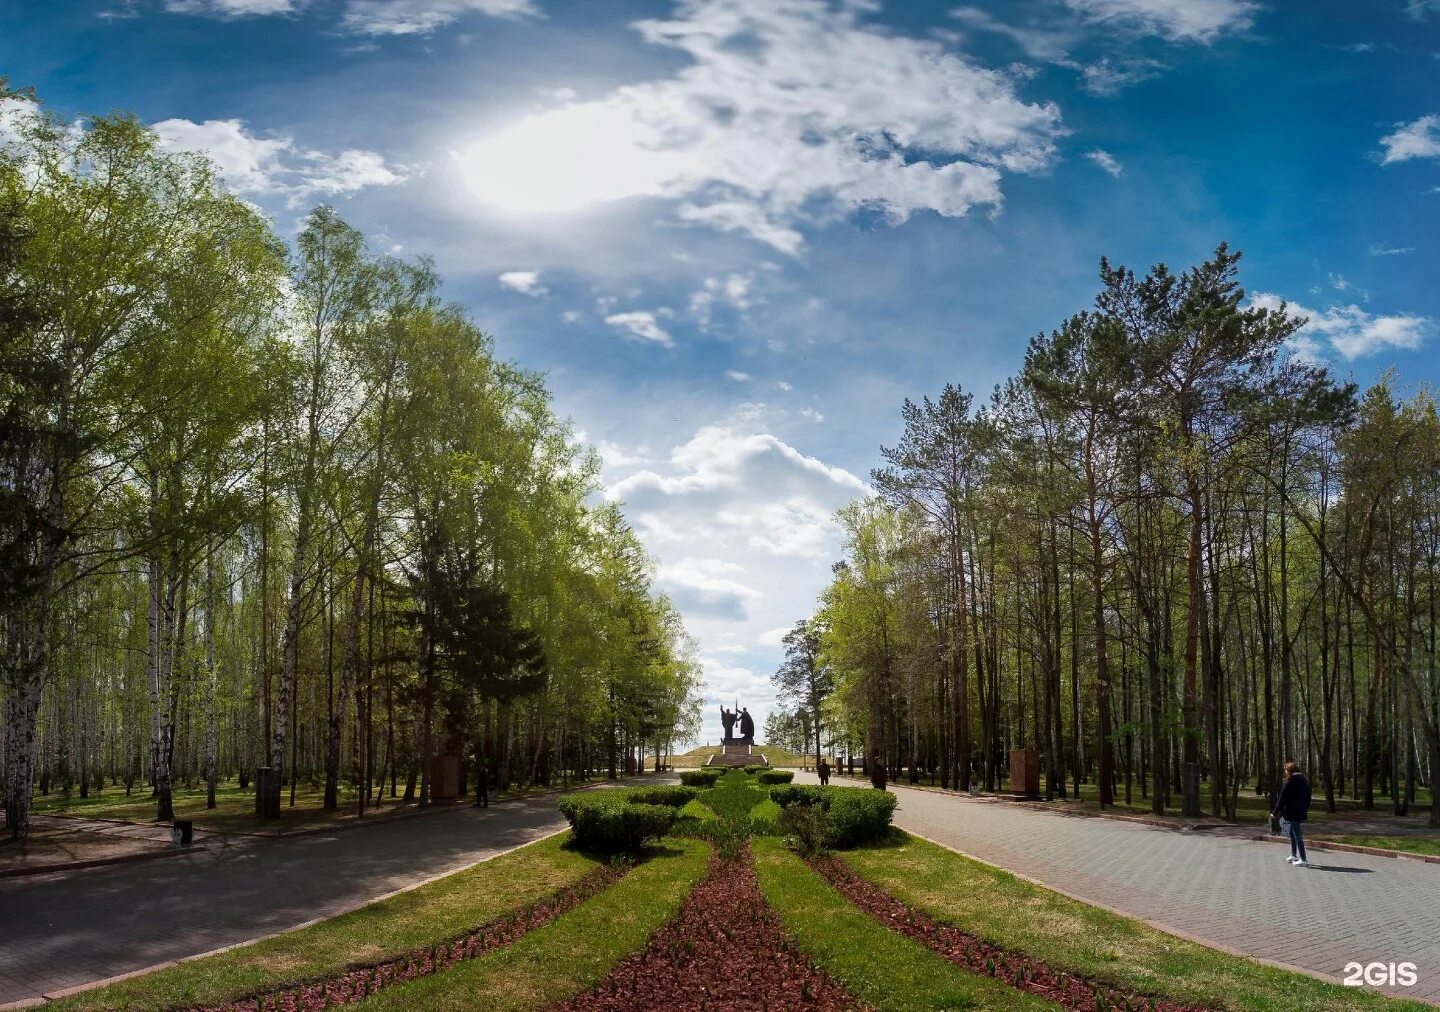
{"x":802,"y":680}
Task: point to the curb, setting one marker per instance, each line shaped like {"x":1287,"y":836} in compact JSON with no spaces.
{"x":1354,"y":848}
{"x":100,"y":862}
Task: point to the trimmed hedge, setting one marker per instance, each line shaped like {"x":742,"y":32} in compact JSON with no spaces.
{"x":774,"y":776}
{"x":608,"y":821}
{"x":854,"y":815}
{"x":675,"y":797}
{"x":705,"y":776}
{"x":754,"y":768}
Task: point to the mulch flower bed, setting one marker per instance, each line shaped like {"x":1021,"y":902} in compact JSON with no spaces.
{"x":359,"y":981}
{"x":724,"y":951}
{"x":971,"y":953}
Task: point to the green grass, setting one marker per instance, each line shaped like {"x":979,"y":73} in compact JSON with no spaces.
{"x":431,"y":913}
{"x":1086,"y":940}
{"x":1428,"y":845}
{"x":734,"y":796}
{"x":234,"y":810}
{"x":572,"y":953}
{"x":880,"y":967}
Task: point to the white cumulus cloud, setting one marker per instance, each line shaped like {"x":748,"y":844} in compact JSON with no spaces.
{"x":1420,"y":139}
{"x":232,"y":8}
{"x":524,"y":282}
{"x":643,"y":325}
{"x":277,"y":166}
{"x":1351,"y":331}
{"x":788,"y":112}
{"x":1200,"y":21}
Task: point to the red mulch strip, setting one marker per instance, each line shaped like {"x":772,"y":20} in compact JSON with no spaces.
{"x":724,"y":951}
{"x":971,"y":953}
{"x":360,"y":980}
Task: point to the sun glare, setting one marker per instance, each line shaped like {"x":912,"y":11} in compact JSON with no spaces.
{"x":566,"y":160}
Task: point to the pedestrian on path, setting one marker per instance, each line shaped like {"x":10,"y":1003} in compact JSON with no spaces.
{"x":482,"y":787}
{"x":823,"y":768}
{"x":1293,"y":807}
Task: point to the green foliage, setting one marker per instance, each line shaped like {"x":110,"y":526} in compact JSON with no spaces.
{"x":675,"y":797}
{"x":853,"y":815}
{"x":774,"y":776}
{"x":705,"y":776}
{"x":608,"y":821}
{"x":807,"y":828}
{"x":754,"y":768}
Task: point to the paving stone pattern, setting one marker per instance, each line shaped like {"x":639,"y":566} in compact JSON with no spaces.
{"x":1226,"y":890}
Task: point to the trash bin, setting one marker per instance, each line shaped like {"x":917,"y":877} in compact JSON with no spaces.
{"x":182,"y":832}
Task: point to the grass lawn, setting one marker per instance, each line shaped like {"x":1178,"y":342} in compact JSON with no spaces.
{"x":433,"y":912}
{"x":881,"y":968}
{"x":570,"y":954}
{"x":1429,"y":846}
{"x":1068,"y":935}
{"x":234,"y":810}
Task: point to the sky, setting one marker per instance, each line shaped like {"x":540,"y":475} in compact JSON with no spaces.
{"x":736,"y":234}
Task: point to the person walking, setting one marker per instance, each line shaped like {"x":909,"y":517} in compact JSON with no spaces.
{"x":824,"y":770}
{"x":1293,"y":806}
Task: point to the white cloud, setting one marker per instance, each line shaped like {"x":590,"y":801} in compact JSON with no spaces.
{"x":1420,"y":139}
{"x":571,"y":316}
{"x":783,"y":386}
{"x":790,"y":112}
{"x":737,"y":376}
{"x":1106,"y":161}
{"x":1379,"y":249}
{"x":276,"y":166}
{"x":708,"y":587}
{"x":1418,"y":9}
{"x":1350,"y":331}
{"x":1199,"y":21}
{"x":1107,"y":77}
{"x":421,"y":17}
{"x":1048,"y":43}
{"x":617,"y":456}
{"x":734,"y":289}
{"x":232,"y":8}
{"x":814,"y":416}
{"x":641,"y":324}
{"x":524,"y":282}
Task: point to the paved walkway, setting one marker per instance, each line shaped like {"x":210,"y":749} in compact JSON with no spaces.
{"x":1233,"y":893}
{"x":57,"y":931}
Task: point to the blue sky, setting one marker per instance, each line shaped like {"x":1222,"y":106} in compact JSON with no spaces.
{"x":737,"y":233}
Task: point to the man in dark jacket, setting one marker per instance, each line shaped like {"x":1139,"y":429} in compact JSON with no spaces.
{"x":1293,"y":806}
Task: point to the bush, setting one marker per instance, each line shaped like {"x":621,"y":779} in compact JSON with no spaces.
{"x":775,"y":776}
{"x":808,"y":826}
{"x":858,"y":815}
{"x":703,"y":777}
{"x":797,"y":794}
{"x":675,"y":797}
{"x":609,"y":821}
{"x":754,"y":768}
{"x":853,"y":815}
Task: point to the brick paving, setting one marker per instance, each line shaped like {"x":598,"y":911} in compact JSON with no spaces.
{"x":1226,"y":891}
{"x":62,"y":930}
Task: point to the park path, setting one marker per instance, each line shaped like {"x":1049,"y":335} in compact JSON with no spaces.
{"x":59,"y":931}
{"x":1226,"y":891}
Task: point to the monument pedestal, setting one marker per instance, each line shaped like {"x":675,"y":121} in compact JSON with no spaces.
{"x":1025,"y":773}
{"x":736,"y":752}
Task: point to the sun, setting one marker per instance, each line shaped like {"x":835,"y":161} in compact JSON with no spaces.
{"x":569,"y":159}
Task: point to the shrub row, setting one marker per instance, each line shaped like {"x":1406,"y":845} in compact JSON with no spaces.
{"x":853,"y":815}
{"x":675,"y":797}
{"x":775,"y":776}
{"x":703,"y":777}
{"x":754,"y":768}
{"x":609,"y":821}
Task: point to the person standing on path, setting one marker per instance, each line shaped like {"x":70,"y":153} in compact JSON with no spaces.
{"x":824,"y":770}
{"x":1293,"y":807}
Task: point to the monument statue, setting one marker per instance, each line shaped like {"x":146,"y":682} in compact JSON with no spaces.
{"x":747,"y":726}
{"x":727,"y":718}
